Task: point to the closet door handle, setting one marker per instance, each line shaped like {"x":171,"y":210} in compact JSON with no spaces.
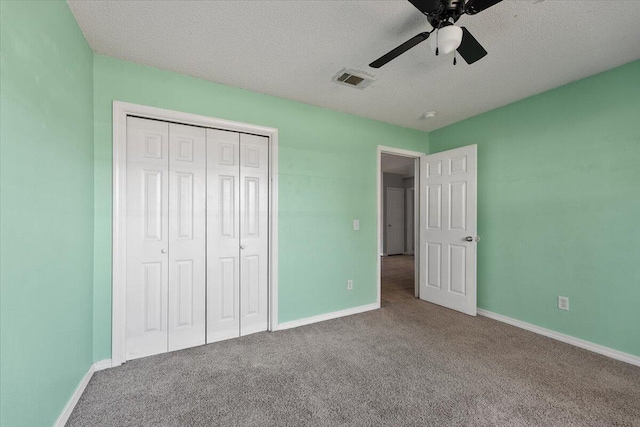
{"x":163,"y":251}
{"x":242,"y":246}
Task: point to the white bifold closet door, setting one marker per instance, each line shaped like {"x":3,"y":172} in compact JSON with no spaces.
{"x":165,"y":296}
{"x":187,"y":217}
{"x":237,"y":234}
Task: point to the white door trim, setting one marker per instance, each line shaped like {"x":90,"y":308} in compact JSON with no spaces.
{"x":120,"y":112}
{"x":408,"y":250}
{"x":416,"y":217}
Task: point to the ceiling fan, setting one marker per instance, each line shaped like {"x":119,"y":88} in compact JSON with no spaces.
{"x":442,"y":15}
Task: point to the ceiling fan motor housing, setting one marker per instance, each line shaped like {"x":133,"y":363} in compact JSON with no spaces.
{"x":455,"y":6}
{"x":447,"y":14}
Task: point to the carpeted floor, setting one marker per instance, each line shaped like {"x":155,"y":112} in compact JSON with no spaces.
{"x":397,"y":279}
{"x":410,"y":363}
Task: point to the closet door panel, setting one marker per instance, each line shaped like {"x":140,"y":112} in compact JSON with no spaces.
{"x":254,"y":211}
{"x":223,"y":235}
{"x":187,"y":216}
{"x":147,"y":237}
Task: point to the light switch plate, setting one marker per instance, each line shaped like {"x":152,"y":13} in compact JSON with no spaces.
{"x":356,"y":224}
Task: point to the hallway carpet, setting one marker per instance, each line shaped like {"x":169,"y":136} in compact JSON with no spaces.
{"x":397,"y":278}
{"x":410,"y":363}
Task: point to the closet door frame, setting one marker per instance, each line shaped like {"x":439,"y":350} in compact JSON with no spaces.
{"x":119,"y":250}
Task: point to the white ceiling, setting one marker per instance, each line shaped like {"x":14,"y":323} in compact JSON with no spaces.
{"x":397,"y":164}
{"x":292,"y":49}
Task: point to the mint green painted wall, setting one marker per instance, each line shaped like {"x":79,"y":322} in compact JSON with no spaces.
{"x":559,"y":207}
{"x":46,"y":210}
{"x":327,"y":179}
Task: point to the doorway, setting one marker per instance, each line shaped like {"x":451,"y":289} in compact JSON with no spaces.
{"x":444,"y":228}
{"x":398,"y":179}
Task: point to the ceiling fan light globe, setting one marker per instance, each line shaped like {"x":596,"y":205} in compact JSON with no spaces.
{"x":447,"y":38}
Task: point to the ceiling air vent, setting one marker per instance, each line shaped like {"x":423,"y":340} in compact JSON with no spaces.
{"x":353,"y":78}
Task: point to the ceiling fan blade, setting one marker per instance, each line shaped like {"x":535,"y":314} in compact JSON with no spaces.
{"x":476,"y":6}
{"x":426,"y":6}
{"x":470,"y":49}
{"x":400,"y":50}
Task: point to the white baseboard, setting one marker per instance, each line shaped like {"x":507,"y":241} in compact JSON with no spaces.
{"x":102,"y":365}
{"x":327,"y":316}
{"x":68,"y":409}
{"x":587,"y":345}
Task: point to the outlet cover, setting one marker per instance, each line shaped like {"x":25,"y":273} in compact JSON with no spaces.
{"x":563,"y":303}
{"x":349,"y":285}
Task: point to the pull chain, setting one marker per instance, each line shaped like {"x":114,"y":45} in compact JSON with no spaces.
{"x":454,"y":58}
{"x":437,"y":43}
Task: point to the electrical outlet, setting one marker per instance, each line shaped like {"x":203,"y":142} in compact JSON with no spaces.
{"x":356,"y":224}
{"x":349,"y":285}
{"x":563,"y":303}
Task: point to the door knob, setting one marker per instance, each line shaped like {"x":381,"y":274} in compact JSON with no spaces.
{"x":242,"y":246}
{"x":389,"y":225}
{"x":471,"y":238}
{"x":164,"y":251}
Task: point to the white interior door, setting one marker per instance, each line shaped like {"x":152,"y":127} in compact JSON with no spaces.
{"x":395,"y":220}
{"x":147,"y":237}
{"x":254,"y":242}
{"x":448,"y":229}
{"x":187,"y":174}
{"x":410,"y":221}
{"x":223,"y":235}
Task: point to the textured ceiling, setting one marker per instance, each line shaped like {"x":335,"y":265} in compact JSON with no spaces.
{"x":292,"y":49}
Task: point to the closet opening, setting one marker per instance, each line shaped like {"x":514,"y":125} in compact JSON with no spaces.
{"x":195,"y":230}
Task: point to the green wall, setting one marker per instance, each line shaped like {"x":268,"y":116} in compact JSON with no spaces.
{"x":46,"y":210}
{"x":327,"y":178}
{"x":559,"y":207}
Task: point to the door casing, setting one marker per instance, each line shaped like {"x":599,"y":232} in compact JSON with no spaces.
{"x":410,"y":198}
{"x":120,"y":112}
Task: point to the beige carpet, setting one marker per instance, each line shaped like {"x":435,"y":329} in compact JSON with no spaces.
{"x":408,"y":364}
